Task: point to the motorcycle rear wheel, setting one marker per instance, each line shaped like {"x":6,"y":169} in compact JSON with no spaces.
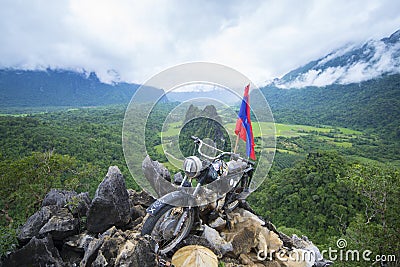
{"x":153,"y":227}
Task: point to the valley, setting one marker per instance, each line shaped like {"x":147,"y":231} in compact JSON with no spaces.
{"x":335,"y":172}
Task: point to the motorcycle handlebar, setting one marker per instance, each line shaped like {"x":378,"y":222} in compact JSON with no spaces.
{"x":196,"y":139}
{"x":234,"y":156}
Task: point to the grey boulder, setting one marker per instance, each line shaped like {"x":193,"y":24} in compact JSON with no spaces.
{"x":110,"y":205}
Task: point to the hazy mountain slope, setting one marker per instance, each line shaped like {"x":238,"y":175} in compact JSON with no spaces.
{"x":21,"y":88}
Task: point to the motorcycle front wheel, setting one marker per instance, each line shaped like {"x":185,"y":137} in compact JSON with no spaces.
{"x":161,"y":226}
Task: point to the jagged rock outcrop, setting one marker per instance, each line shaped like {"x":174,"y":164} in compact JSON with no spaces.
{"x":158,"y":176}
{"x":72,"y":230}
{"x":58,"y":216}
{"x":78,"y":204}
{"x":34,"y":223}
{"x":110,"y":205}
{"x":38,"y":252}
{"x":57,"y":234}
{"x":116,"y":247}
{"x":61,"y":225}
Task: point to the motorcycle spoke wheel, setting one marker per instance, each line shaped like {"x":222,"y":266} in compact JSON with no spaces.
{"x":163,"y":224}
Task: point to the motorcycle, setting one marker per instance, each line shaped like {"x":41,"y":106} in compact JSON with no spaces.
{"x":221,"y":187}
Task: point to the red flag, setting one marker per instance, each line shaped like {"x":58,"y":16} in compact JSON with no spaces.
{"x":243,"y":124}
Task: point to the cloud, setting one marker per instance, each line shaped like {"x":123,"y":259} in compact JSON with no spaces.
{"x":133,"y":40}
{"x":378,"y":58}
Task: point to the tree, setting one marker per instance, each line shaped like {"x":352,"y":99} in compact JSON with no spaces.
{"x":25,"y":182}
{"x":377,"y":226}
{"x":309,"y":197}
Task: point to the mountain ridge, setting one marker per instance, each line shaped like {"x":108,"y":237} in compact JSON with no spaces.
{"x":346,"y":65}
{"x":59,"y":87}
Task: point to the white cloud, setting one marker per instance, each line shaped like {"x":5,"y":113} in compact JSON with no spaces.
{"x":261,"y":39}
{"x":380,"y":59}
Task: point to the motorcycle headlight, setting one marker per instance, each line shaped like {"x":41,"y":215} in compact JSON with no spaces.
{"x":192,"y":166}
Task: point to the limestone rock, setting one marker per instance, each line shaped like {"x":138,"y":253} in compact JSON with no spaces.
{"x":245,"y":259}
{"x":160,"y":168}
{"x":58,"y":198}
{"x":111,"y":245}
{"x":241,"y":215}
{"x":158,"y":177}
{"x":84,"y":201}
{"x":91,"y":252}
{"x":272,"y":263}
{"x":218,"y":243}
{"x":244,"y":240}
{"x":34,"y":223}
{"x":268,"y":241}
{"x":114,"y":220}
{"x":79,"y":242}
{"x":140,"y":198}
{"x":137,"y":212}
{"x":74,"y":247}
{"x":38,"y":252}
{"x":100,"y":260}
{"x":248,"y":233}
{"x":125,"y":253}
{"x":70,"y":256}
{"x":218,"y":224}
{"x":110,"y":205}
{"x":136,"y":252}
{"x":119,"y":248}
{"x":61,"y":225}
{"x":78,"y":204}
{"x":93,"y":247}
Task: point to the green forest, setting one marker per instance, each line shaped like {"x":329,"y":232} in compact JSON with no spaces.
{"x":327,"y":181}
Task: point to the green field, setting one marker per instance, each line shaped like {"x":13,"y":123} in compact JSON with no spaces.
{"x":285,"y":130}
{"x":290,"y":137}
{"x":173,"y":129}
{"x":337,"y":136}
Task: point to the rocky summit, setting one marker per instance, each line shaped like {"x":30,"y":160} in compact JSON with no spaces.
{"x":71,"y":229}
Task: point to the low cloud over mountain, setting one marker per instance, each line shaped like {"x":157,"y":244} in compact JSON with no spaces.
{"x":351,"y":64}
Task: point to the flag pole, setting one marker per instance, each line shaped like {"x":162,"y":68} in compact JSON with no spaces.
{"x":238,"y":134}
{"x":236,"y":145}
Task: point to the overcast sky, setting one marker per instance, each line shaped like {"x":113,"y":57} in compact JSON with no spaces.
{"x":133,"y":40}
